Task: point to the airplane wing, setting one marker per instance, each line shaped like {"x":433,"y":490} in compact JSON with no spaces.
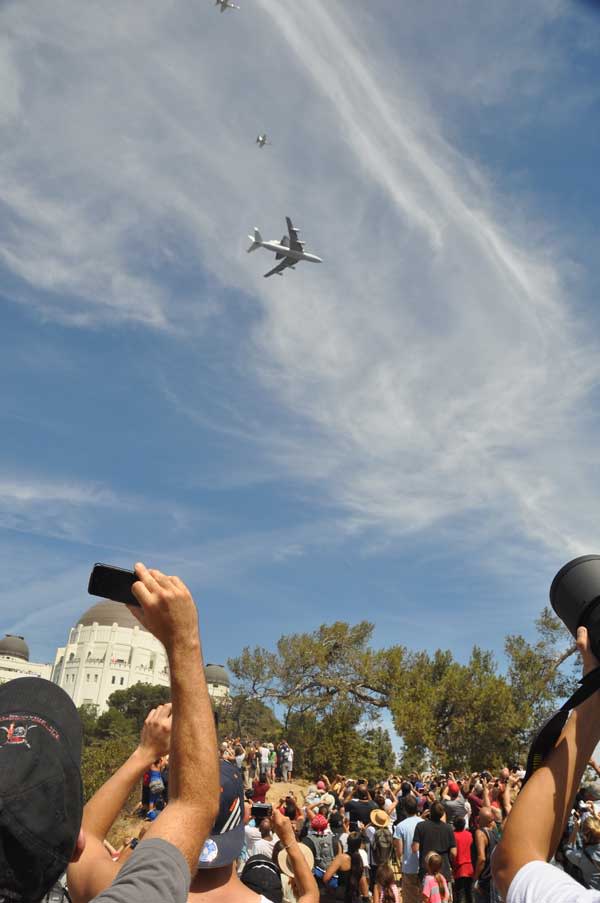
{"x":288,"y":262}
{"x":295,"y":243}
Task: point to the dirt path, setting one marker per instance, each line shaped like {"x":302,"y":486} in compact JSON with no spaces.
{"x":280,"y":789}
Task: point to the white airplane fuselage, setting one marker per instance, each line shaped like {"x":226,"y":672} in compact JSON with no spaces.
{"x":278,"y":248}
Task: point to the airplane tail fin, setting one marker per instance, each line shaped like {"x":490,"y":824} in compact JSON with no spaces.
{"x":256,"y":240}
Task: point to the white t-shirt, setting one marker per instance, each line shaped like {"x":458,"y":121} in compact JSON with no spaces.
{"x":540,"y":882}
{"x":469,"y":809}
{"x":264,"y":754}
{"x":253,"y":835}
{"x":264,"y":847}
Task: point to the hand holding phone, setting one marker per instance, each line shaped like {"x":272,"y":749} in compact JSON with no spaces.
{"x":113,"y":583}
{"x":163,"y":604}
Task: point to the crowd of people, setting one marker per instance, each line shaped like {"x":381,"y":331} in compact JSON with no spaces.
{"x":422,"y":837}
{"x":264,"y":762}
{"x":212,"y":835}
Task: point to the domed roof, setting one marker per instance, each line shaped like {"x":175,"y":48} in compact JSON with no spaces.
{"x":106,"y":613}
{"x":216,"y":674}
{"x":15,"y":646}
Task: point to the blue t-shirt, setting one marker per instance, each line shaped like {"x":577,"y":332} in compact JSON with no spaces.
{"x":405,"y":831}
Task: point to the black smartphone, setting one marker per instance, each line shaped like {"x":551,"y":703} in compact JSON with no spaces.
{"x":112,"y":583}
{"x":261,"y":810}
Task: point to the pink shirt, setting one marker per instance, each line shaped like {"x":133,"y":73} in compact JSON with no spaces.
{"x":431,"y":889}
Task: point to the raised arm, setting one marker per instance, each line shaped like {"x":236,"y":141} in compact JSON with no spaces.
{"x":506,"y":800}
{"x":536,"y":822}
{"x":95,"y":870}
{"x":486,"y":793}
{"x":305,"y":882}
{"x":469,"y":783}
{"x":169,"y":612}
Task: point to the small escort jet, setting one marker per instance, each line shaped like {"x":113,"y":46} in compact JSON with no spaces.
{"x":226,"y":4}
{"x":290,"y":250}
{"x":262,"y":140}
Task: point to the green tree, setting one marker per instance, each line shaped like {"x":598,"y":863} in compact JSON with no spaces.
{"x":447,"y":713}
{"x":374,"y":752}
{"x":324,"y":743}
{"x":136,"y":701}
{"x":458,"y":716}
{"x":100,"y":760}
{"x":114,"y":724}
{"x":316,"y":671}
{"x":336,"y":743}
{"x":248,"y":718}
{"x":88,"y":717}
{"x":539,"y":675}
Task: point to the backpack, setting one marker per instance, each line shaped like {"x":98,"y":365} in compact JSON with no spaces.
{"x":382,"y":846}
{"x":324,"y":850}
{"x":156,"y":785}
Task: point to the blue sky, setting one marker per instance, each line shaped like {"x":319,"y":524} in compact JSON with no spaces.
{"x":406,"y":433}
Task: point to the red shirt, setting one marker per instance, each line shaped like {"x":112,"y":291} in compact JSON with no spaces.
{"x":260,"y":792}
{"x":463,"y":867}
{"x":476,"y":805}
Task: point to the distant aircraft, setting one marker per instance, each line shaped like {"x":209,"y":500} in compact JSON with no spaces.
{"x":262,"y":140}
{"x":290,"y":250}
{"x":226,"y":4}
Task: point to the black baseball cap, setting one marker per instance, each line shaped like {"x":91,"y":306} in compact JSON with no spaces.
{"x":41,"y":797}
{"x":262,"y":876}
{"x":226,"y":839}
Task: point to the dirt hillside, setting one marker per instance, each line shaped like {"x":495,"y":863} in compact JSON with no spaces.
{"x":128,"y":825}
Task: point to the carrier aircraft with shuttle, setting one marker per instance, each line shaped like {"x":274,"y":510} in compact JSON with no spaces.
{"x":226,"y":4}
{"x":290,"y":250}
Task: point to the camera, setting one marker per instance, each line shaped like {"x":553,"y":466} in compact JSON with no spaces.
{"x":575,"y":597}
{"x":261,"y":810}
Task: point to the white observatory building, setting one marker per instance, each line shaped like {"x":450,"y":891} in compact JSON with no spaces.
{"x":110,"y":650}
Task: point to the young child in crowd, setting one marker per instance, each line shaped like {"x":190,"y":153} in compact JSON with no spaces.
{"x":386,"y":889}
{"x":435,"y":886}
{"x":463,"y":864}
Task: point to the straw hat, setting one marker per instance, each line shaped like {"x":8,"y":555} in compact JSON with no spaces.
{"x":284,"y":863}
{"x":380,"y":818}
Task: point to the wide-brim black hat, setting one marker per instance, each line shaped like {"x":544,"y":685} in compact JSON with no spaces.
{"x":41,"y":798}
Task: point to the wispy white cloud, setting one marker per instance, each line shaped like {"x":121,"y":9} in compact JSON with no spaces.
{"x":64,"y":510}
{"x":431,"y":368}
{"x":21,"y":492}
{"x":452,"y":408}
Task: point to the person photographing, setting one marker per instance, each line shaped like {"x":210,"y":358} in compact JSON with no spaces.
{"x":520,"y":865}
{"x":42,"y":826}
